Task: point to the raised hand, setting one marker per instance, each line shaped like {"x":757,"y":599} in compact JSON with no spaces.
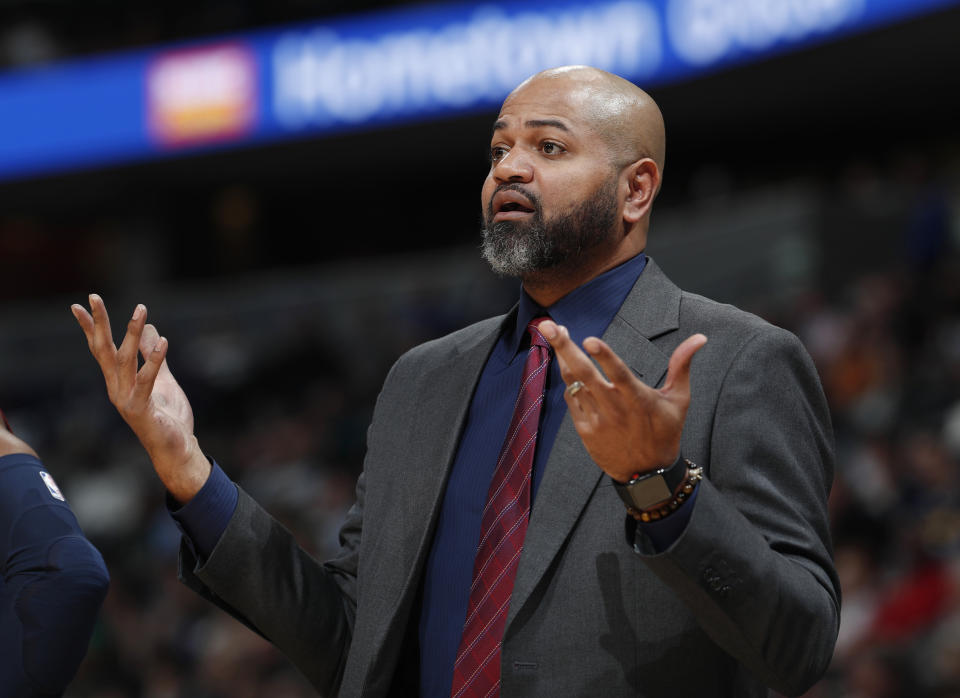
{"x":149,"y":399}
{"x":626,"y":426}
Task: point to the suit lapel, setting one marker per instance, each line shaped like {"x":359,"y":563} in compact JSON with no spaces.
{"x":442,"y":399}
{"x":651,"y":309}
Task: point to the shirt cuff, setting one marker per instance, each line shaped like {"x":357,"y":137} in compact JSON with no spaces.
{"x":204,"y":518}
{"x":664,"y":533}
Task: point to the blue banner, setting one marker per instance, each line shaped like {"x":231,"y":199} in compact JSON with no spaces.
{"x":378,"y":69}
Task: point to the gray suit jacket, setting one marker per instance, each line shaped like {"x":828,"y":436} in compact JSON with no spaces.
{"x":747,"y":597}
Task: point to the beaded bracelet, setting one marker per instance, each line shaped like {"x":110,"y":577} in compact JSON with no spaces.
{"x":661,"y":511}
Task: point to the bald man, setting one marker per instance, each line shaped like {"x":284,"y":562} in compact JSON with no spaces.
{"x":559,"y":501}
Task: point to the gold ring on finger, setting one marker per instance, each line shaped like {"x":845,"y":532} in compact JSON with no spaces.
{"x":574,"y":388}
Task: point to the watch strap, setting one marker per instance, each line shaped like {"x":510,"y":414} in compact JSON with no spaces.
{"x":648,"y":490}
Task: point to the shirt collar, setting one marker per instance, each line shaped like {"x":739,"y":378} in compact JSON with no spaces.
{"x":587,"y":310}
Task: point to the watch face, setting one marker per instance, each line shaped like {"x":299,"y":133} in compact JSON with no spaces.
{"x":649,"y":491}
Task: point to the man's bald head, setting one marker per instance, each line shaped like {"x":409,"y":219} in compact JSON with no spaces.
{"x":624,"y":115}
{"x":575,"y":161}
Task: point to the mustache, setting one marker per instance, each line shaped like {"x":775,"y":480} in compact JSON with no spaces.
{"x":519,"y":188}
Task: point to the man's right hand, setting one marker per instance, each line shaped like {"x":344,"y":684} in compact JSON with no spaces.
{"x":149,"y":400}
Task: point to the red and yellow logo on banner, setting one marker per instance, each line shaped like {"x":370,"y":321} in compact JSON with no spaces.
{"x":202,"y":95}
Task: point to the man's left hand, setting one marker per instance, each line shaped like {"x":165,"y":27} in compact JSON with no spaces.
{"x":626,"y":426}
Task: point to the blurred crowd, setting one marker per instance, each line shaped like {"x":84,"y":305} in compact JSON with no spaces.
{"x":289,"y":427}
{"x":890,"y":361}
{"x":887,"y":346}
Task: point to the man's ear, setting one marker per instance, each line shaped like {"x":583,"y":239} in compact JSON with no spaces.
{"x":643,"y":180}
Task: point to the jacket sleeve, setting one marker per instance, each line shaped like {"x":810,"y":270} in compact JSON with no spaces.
{"x":754,"y":562}
{"x":258,"y":573}
{"x":53,"y":582}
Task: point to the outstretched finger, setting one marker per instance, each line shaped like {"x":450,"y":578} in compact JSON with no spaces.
{"x":153,"y":362}
{"x":148,"y":341}
{"x":103,"y":346}
{"x":127,"y":353}
{"x":575,"y":365}
{"x":616,"y":370}
{"x":85,"y":321}
{"x":103,"y":352}
{"x":678,"y":372}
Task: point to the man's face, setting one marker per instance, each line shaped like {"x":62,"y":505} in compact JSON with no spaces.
{"x":551,"y":195}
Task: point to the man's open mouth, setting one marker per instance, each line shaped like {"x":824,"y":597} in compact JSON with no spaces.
{"x":514,"y":206}
{"x":508,"y":204}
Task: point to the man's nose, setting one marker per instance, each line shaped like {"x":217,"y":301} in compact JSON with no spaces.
{"x":515,"y":166}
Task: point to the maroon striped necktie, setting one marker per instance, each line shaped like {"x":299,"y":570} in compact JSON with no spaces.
{"x":476,"y":672}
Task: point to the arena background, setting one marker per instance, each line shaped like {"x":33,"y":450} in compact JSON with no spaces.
{"x":817,"y":185}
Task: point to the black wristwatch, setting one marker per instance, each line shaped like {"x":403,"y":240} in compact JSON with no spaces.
{"x":646,"y":490}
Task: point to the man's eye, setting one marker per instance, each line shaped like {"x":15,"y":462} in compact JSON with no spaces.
{"x":497,"y":153}
{"x":551,"y":148}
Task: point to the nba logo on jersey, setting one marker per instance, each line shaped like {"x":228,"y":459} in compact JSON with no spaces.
{"x":51,"y":485}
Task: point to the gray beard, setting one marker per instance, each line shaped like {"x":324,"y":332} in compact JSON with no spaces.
{"x":522,"y":248}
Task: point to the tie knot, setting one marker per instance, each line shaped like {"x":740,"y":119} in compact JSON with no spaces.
{"x":537,"y":339}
